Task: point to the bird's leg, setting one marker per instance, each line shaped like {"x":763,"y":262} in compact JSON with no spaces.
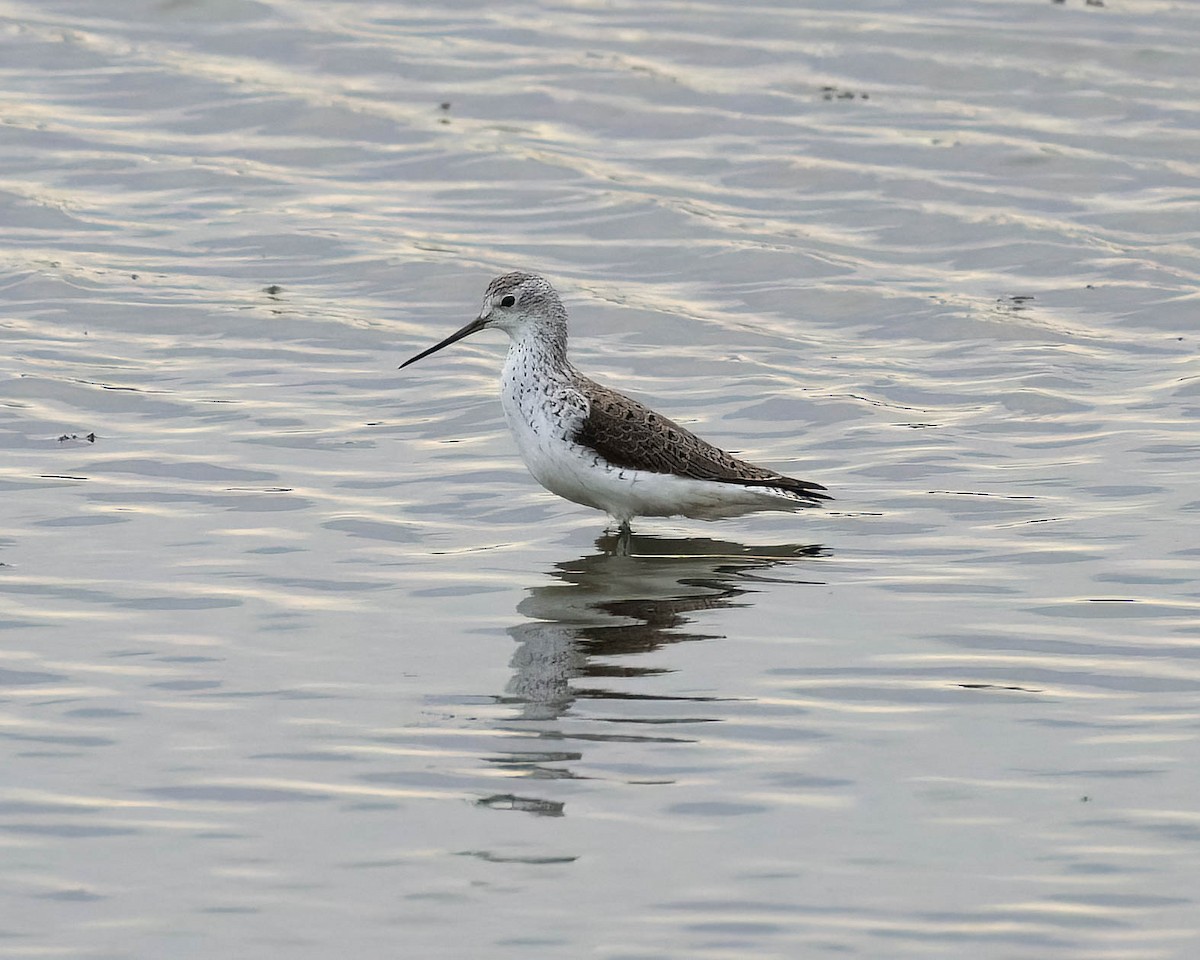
{"x":624,"y":539}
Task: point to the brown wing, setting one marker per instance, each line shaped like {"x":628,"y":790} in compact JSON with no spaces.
{"x":629,"y":434}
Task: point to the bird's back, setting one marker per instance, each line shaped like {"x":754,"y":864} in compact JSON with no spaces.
{"x":629,"y":435}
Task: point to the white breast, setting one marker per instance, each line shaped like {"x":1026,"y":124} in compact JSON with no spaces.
{"x":545,"y":410}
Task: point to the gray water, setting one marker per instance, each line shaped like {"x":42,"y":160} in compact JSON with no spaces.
{"x":296,"y":660}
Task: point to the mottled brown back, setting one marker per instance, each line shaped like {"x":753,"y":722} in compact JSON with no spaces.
{"x":629,"y":434}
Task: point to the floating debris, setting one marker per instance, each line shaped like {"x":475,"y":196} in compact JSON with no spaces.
{"x":1014,"y":304}
{"x":834,"y":93}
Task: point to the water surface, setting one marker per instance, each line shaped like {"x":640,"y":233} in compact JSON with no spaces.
{"x":295,"y":657}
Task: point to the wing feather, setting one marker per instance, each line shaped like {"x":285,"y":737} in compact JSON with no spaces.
{"x":630,"y":435}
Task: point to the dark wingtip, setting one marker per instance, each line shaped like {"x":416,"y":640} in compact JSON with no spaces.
{"x":804,"y":488}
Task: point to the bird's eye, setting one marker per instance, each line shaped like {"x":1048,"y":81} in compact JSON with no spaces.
{"x":508,"y":301}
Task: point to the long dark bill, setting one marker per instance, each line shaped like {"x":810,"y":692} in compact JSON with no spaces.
{"x":477,"y":324}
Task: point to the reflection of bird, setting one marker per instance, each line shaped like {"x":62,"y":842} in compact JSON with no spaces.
{"x":592,"y":651}
{"x":607,"y":608}
{"x":598,"y":447}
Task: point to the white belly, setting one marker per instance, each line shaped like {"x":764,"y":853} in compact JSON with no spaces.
{"x":577,"y":474}
{"x":544,"y":415}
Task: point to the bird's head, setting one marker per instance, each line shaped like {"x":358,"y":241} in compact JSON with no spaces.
{"x":520,"y":304}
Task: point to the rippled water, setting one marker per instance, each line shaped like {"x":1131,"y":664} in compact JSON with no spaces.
{"x":295,"y":658}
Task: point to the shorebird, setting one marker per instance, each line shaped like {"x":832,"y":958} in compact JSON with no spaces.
{"x":592,"y":445}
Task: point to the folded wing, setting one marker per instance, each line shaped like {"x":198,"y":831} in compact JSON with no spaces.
{"x":630,"y":435}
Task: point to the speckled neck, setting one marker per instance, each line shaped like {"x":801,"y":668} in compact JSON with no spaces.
{"x":541,"y":347}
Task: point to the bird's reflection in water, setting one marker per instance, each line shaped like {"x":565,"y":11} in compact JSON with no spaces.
{"x":632,"y":597}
